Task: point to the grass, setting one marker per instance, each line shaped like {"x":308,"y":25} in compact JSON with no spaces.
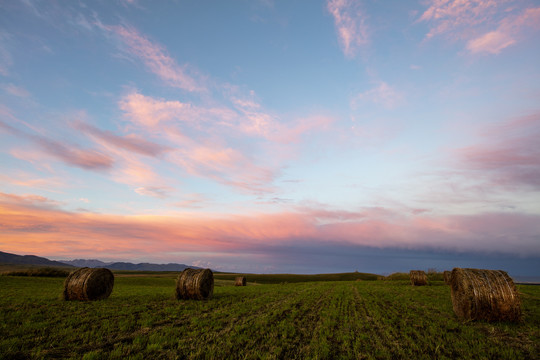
{"x":294,"y":278}
{"x":318,"y":319}
{"x":40,"y":272}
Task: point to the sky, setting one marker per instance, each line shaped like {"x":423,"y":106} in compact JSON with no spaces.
{"x":273,"y":136}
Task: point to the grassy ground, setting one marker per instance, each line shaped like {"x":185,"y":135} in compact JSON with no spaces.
{"x":326,"y":320}
{"x":295,"y":278}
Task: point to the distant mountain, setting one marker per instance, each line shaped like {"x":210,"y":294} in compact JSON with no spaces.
{"x":7,"y":258}
{"x":128,"y":266}
{"x":149,"y":267}
{"x":92,"y":263}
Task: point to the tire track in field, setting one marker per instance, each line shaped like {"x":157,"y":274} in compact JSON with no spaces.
{"x":333,"y":332}
{"x":141,"y":331}
{"x":185,"y":321}
{"x":373,"y":310}
{"x":305,"y":322}
{"x":246,"y":315}
{"x":268,"y":329}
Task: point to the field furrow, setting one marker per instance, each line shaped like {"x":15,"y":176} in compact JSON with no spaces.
{"x":323,"y":320}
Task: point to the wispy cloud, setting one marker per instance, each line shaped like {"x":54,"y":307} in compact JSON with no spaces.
{"x":156,"y":58}
{"x":88,"y":159}
{"x":509,"y":31}
{"x":487,"y":26}
{"x":152,"y":112}
{"x":224,"y":165}
{"x":73,"y":155}
{"x":34,"y":181}
{"x":199,"y":140}
{"x":492,"y":42}
{"x":218,"y":142}
{"x":16,"y":90}
{"x":191,"y":201}
{"x":155,"y":191}
{"x":25,"y":219}
{"x":456,"y":18}
{"x":351,"y":25}
{"x":508,"y":155}
{"x":382,"y":94}
{"x":6,"y":60}
{"x":129,"y":142}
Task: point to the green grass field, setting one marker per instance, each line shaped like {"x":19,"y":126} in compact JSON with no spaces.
{"x":318,"y":319}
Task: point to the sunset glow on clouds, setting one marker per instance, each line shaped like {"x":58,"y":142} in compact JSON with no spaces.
{"x":272,"y":137}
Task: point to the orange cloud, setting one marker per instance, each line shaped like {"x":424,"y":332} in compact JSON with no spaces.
{"x":33,"y":224}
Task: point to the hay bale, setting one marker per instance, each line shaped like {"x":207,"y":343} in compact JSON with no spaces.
{"x":418,"y":277}
{"x":88,"y":284}
{"x":195,"y":284}
{"x":240,"y":281}
{"x":484,"y":295}
{"x":447,"y":275}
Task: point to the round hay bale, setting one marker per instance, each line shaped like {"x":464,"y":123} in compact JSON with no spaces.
{"x":88,"y":284}
{"x":195,"y":284}
{"x":240,"y":281}
{"x":418,"y":277}
{"x":484,"y":295}
{"x":447,"y":275}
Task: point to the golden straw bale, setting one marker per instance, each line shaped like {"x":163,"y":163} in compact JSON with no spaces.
{"x":240,"y":281}
{"x":484,"y":295}
{"x":447,"y":277}
{"x":88,"y":284}
{"x":195,"y":284}
{"x":418,"y":277}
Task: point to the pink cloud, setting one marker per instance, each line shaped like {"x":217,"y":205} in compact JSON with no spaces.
{"x":350,"y":22}
{"x":155,"y":57}
{"x":487,"y":26}
{"x":509,"y":154}
{"x":251,"y":119}
{"x":224,"y":165}
{"x":130,"y":142}
{"x":16,"y":90}
{"x":151,"y":112}
{"x":493,"y":42}
{"x":198,"y":139}
{"x":191,"y":201}
{"x":32,"y":224}
{"x":508,"y":32}
{"x":383,"y":94}
{"x":6,"y":60}
{"x":73,"y":155}
{"x":118,"y":156}
{"x":133,"y":172}
{"x":34,"y":181}
{"x":456,"y":18}
{"x":213,"y":142}
{"x":155,"y":191}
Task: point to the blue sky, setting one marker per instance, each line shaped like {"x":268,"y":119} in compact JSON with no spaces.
{"x":244,"y":135}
